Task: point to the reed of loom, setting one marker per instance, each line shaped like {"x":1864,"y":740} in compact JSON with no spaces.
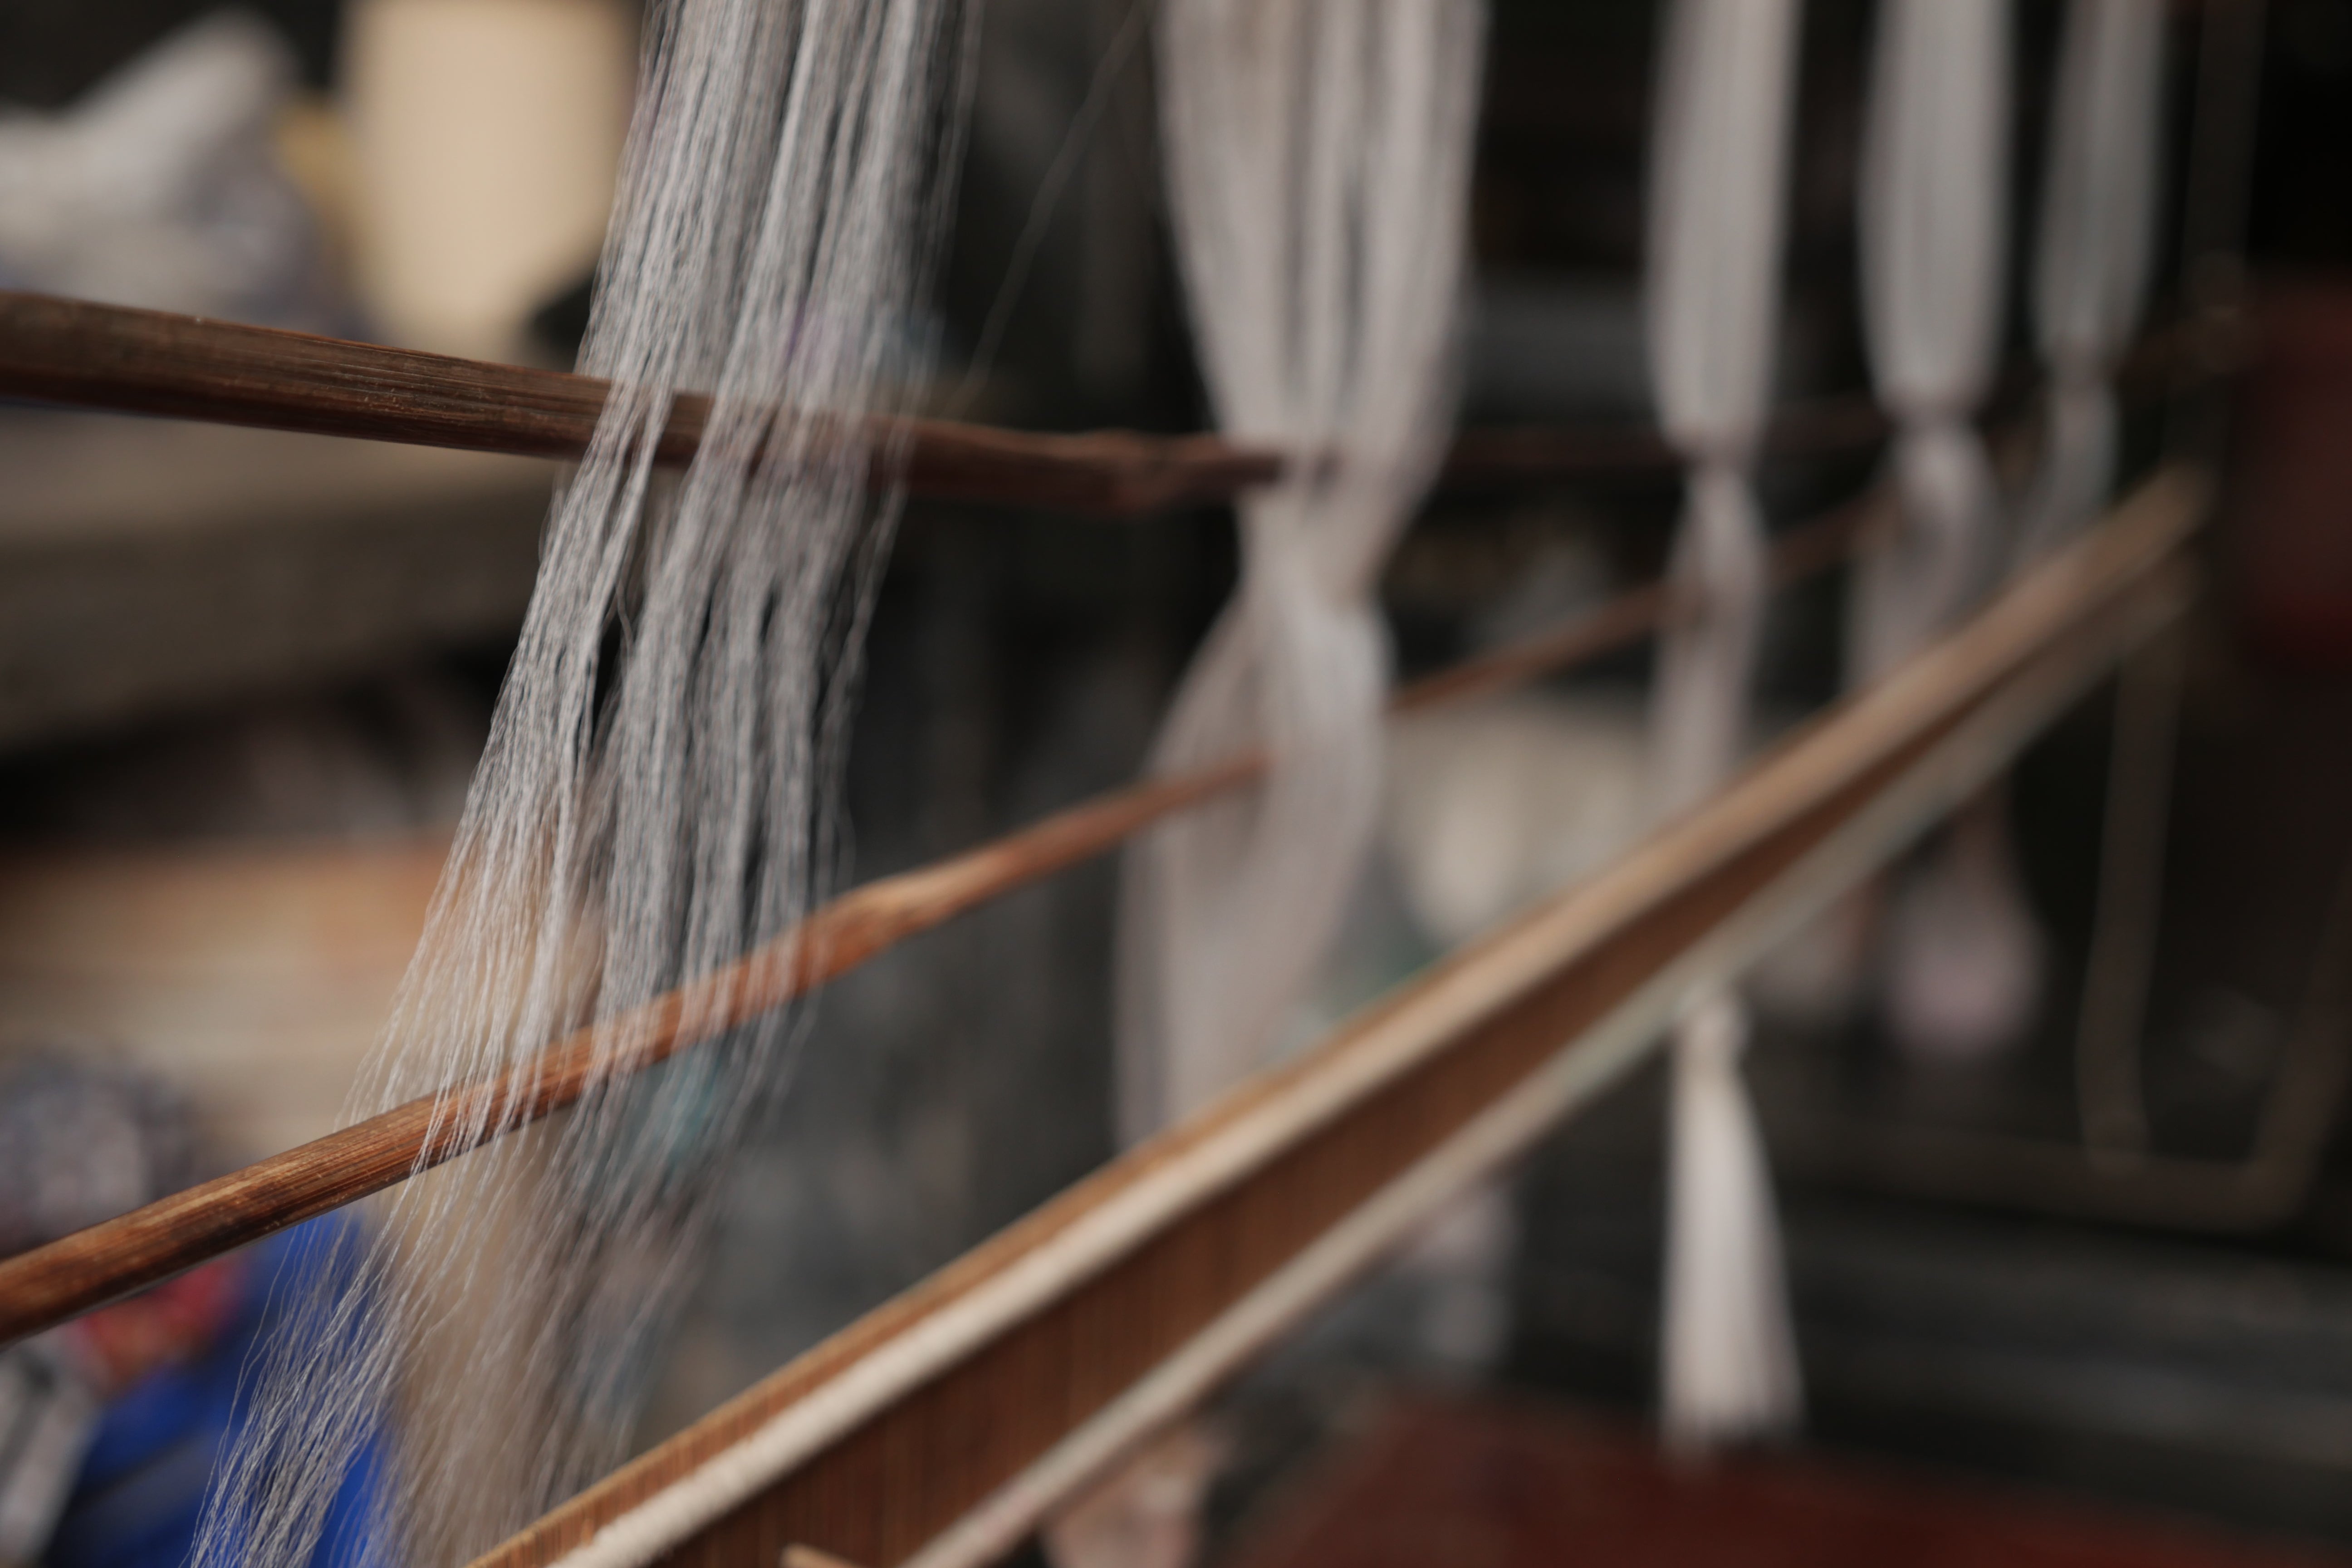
{"x":1116,"y":1304}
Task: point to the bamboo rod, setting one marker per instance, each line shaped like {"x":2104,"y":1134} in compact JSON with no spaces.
{"x":186,"y":367}
{"x":44,"y":1286}
{"x":189,"y":367}
{"x":931,"y":1431}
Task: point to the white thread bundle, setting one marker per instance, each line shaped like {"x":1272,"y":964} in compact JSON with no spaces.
{"x":1964,"y":958}
{"x":1319,"y":158}
{"x":1934,"y":167}
{"x":2093,"y":252}
{"x":653,"y":803}
{"x":1717,"y":182}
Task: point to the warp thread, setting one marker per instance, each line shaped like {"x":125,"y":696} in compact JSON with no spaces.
{"x":2094,"y":252}
{"x":1318,"y":156}
{"x":1933,"y":201}
{"x":1717,"y":185}
{"x":656,"y":797}
{"x":1963,"y":957}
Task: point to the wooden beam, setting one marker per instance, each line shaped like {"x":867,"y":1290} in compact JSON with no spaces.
{"x":938,"y":1428}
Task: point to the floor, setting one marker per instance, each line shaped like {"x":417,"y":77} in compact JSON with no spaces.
{"x":1489,"y":1484}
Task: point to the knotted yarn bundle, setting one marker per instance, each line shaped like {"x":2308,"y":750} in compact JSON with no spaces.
{"x":655,"y":801}
{"x":1716,"y":188}
{"x":2093,"y":251}
{"x":1319,"y":157}
{"x":1964,"y":956}
{"x":1933,"y":212}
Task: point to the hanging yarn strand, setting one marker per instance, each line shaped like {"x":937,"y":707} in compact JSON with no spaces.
{"x":2093,"y":253}
{"x":1962,"y":953}
{"x":1319,"y":158}
{"x":655,"y":799}
{"x":1716,"y":188}
{"x":1934,"y":161}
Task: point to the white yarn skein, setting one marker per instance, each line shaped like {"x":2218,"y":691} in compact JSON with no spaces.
{"x":1964,"y":956}
{"x":2093,"y":257}
{"x":1935,"y":161}
{"x":1718,"y":187}
{"x":1318,"y":155}
{"x":1731,"y":1364}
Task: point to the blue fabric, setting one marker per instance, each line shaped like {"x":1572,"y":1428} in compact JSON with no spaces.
{"x":142,"y":1486}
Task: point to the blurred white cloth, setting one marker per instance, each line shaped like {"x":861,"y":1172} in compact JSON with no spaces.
{"x":160,"y":186}
{"x":1494,"y":805}
{"x":1964,"y":957}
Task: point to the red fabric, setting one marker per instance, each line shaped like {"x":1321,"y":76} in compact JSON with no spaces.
{"x":174,"y":1322}
{"x":2291,"y":526}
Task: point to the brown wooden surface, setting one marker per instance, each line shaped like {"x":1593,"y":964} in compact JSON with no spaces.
{"x":910,"y":1465}
{"x":1489,"y":1484}
{"x":50,"y":1284}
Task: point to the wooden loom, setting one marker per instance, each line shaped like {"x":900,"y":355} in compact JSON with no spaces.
{"x":940,"y":1428}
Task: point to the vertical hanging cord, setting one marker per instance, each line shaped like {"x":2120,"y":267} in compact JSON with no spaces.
{"x":1318,"y":156}
{"x":1717,"y":185}
{"x":1317,"y":159}
{"x":2092,"y":261}
{"x":1963,"y":956}
{"x":1935,"y":158}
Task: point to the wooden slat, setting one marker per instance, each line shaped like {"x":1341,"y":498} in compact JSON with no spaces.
{"x":933,"y":1426}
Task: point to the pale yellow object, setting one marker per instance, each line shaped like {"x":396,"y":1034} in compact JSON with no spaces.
{"x":314,"y":146}
{"x":485,"y":138}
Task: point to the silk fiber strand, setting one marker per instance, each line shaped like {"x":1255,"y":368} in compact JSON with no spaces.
{"x":1318,"y":155}
{"x":1716,"y":190}
{"x":2093,"y":251}
{"x":655,"y":799}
